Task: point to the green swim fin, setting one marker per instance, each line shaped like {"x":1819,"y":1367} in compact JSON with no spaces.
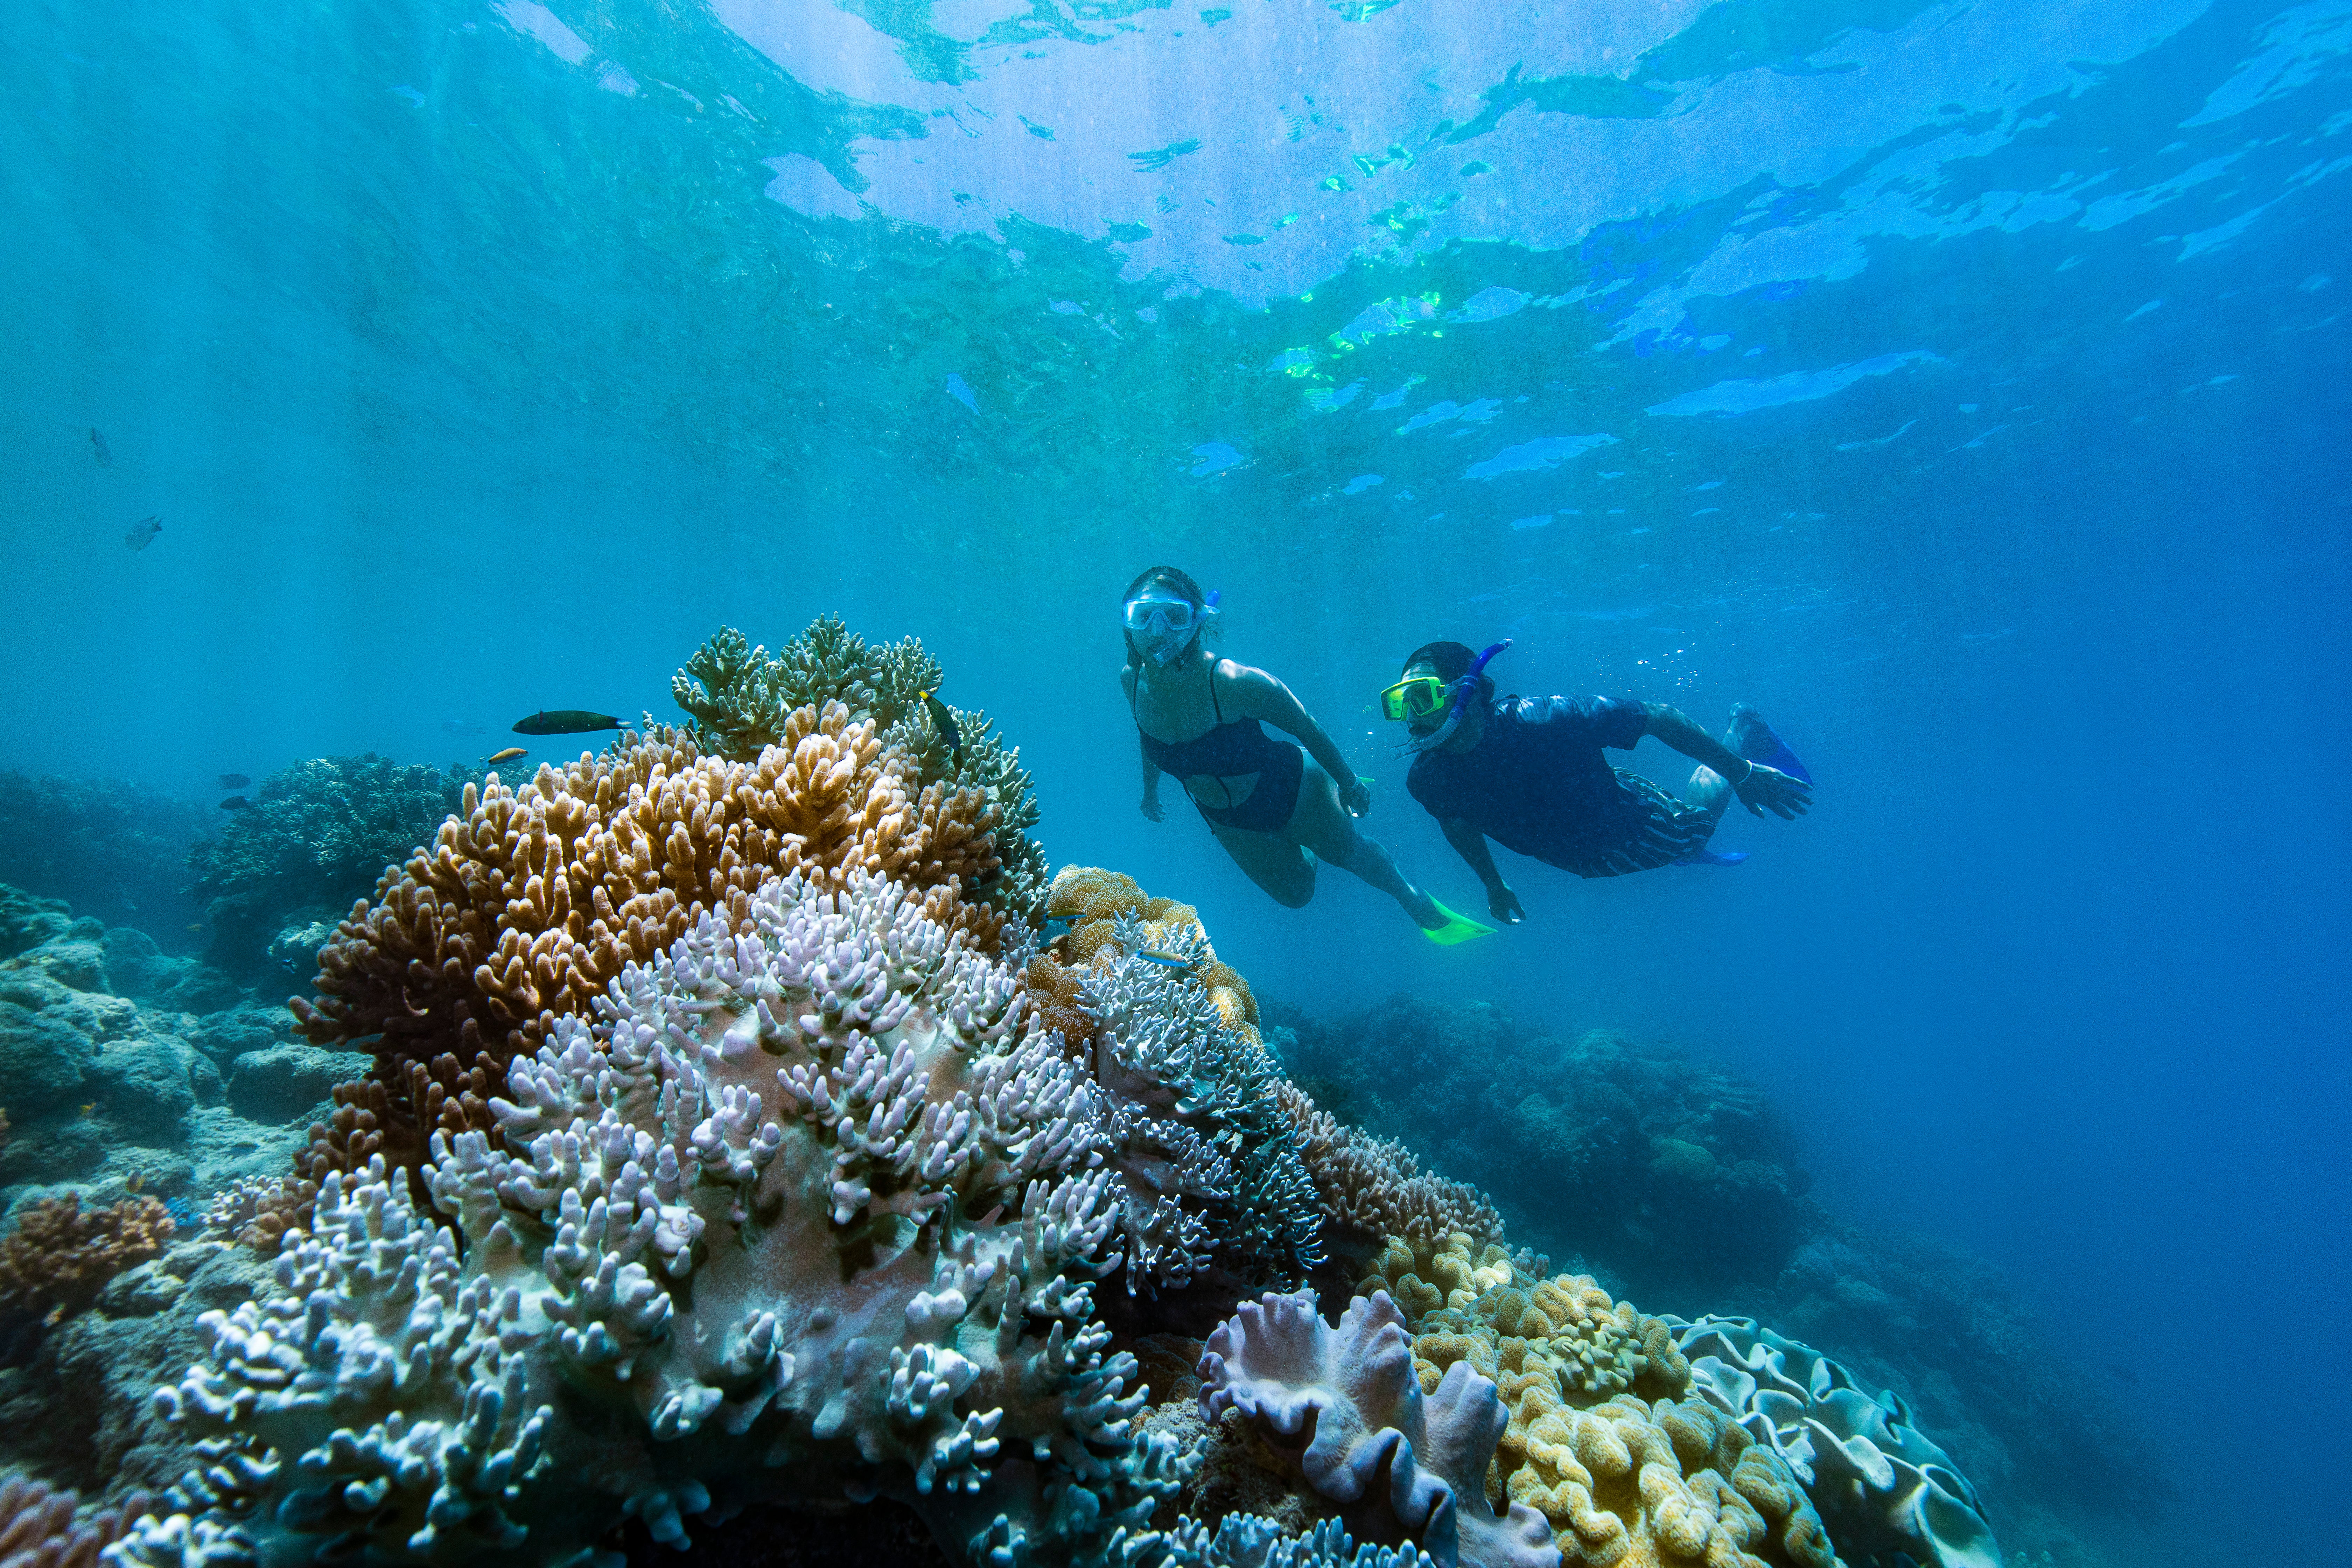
{"x":1456,"y":928}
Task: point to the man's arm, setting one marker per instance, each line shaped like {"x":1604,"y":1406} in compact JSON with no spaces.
{"x":1756,"y":785}
{"x":1471,"y":845}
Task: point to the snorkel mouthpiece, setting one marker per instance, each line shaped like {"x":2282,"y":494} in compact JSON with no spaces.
{"x":1458,"y":698}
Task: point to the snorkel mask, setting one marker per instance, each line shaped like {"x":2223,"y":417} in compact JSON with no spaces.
{"x":1164,"y":624}
{"x":1418,"y":697}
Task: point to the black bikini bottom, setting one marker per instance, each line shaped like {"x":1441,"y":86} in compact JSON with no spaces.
{"x":1268,"y":807}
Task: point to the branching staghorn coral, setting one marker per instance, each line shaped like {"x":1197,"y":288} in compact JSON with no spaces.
{"x":59,"y":1255}
{"x":535,"y":900}
{"x":1089,"y":900}
{"x":1375,"y":1186}
{"x":259,"y":1211}
{"x":811,"y":1207}
{"x":741,"y":700}
{"x":1194,"y":1108}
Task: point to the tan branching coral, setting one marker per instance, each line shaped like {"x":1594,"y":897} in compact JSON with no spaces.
{"x":1376,"y":1186}
{"x":1090,"y":900}
{"x":260,"y":1212}
{"x":530,"y":903}
{"x":741,"y":699}
{"x":43,"y":1526}
{"x":59,"y":1255}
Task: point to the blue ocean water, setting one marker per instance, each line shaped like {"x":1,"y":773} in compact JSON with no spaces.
{"x":1961,"y":383}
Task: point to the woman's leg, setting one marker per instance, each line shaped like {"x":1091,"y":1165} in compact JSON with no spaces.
{"x":1285,"y":871}
{"x":1321,"y":824}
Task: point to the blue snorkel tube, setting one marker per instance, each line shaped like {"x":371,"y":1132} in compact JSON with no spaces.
{"x":1458,"y":698}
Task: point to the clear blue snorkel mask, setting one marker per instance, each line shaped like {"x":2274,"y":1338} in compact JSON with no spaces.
{"x":1164,"y":626}
{"x":1458,"y":698}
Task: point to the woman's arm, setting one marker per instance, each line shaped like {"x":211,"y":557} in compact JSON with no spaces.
{"x":1256,"y":694}
{"x":1151,"y":807}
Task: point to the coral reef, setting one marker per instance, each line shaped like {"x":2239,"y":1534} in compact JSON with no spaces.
{"x":114,"y":850}
{"x":1676,"y":1172}
{"x":533,"y":900}
{"x":318,"y":835}
{"x":742,"y":700}
{"x":667,"y":1304}
{"x":43,"y":1526}
{"x":59,"y":1255}
{"x":1603,"y":1438}
{"x":1343,"y":1407}
{"x":1882,"y":1487}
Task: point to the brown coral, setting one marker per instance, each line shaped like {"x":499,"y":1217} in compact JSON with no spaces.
{"x":260,"y":1212}
{"x":1375,"y":1185}
{"x":58,"y":1258}
{"x":530,"y":903}
{"x":43,"y":1526}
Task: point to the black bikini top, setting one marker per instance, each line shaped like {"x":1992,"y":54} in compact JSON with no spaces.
{"x":1226,"y":749}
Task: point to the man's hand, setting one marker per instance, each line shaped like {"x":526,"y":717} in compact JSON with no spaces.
{"x":1768,"y":789}
{"x":1151,"y":807}
{"x":1504,"y":904}
{"x":1356,"y":797}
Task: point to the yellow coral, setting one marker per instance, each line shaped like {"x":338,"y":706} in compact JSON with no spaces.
{"x":1631,"y":1484}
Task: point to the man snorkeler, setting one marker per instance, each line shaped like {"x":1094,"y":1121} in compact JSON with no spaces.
{"x":1527,"y":771}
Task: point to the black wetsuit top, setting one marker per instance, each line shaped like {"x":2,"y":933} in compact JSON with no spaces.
{"x":1537,"y":783}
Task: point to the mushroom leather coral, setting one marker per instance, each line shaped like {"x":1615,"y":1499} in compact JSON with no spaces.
{"x":1344,"y":1406}
{"x":1881,"y":1483}
{"x":532,"y":902}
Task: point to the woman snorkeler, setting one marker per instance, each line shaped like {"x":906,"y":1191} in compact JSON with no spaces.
{"x":1276,"y":809}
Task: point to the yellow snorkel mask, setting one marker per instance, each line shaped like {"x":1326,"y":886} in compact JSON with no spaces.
{"x":1425,"y":696}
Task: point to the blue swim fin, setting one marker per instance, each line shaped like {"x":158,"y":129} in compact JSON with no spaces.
{"x":1709,"y":858}
{"x":1456,"y":928}
{"x":1754,"y":740}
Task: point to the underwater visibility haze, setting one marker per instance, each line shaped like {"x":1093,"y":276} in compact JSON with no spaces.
{"x":397,"y":396}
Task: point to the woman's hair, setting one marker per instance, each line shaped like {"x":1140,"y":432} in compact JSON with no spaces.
{"x":1179,"y":584}
{"x":1451,"y":661}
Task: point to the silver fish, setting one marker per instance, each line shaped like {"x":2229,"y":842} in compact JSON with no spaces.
{"x":142,"y":533}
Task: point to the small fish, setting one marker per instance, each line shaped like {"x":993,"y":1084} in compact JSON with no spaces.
{"x":91,"y":1106}
{"x":105,"y":454}
{"x":198,"y":926}
{"x":234,"y":781}
{"x":2123,"y":1372}
{"x":236,"y":802}
{"x":564,"y":722}
{"x":459,"y":727}
{"x":508,"y":755}
{"x":137,"y":1179}
{"x":943,"y":720}
{"x":142,"y":533}
{"x":1164,"y":960}
{"x":1056,"y":927}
